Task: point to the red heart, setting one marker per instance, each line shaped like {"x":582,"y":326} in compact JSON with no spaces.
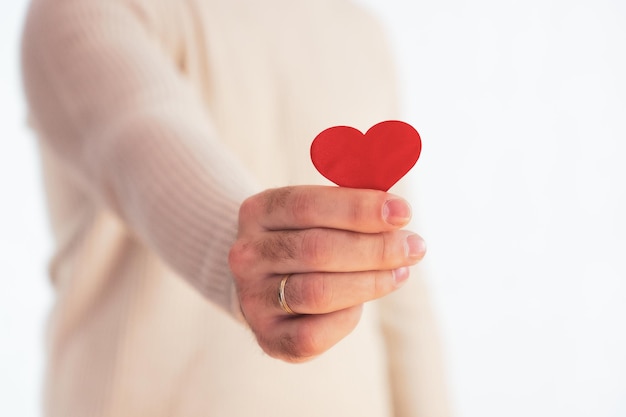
{"x":376,"y":160}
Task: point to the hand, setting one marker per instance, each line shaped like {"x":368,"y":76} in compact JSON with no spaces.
{"x":339,"y":247}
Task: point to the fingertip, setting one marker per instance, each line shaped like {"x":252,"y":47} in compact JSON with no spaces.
{"x":400,"y":276}
{"x":397,"y":212}
{"x":415,"y":247}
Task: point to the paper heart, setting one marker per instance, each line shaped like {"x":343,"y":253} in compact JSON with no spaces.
{"x":376,"y":160}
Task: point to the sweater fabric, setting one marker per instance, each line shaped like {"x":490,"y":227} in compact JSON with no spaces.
{"x":156,"y":119}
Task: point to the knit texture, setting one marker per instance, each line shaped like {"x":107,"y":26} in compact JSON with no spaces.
{"x":156,"y":119}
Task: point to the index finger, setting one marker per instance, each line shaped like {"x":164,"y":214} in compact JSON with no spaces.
{"x":303,"y":207}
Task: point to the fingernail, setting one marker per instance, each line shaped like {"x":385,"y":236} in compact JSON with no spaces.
{"x":400,"y":275}
{"x":415,"y":247}
{"x":396,"y":212}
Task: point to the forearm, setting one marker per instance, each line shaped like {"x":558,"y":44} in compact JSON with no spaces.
{"x":114,"y":107}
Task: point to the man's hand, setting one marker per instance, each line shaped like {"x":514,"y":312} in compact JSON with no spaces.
{"x":340,"y":247}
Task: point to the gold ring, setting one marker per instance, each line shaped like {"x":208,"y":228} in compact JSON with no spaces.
{"x":281,"y":296}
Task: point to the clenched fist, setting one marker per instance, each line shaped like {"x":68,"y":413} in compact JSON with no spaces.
{"x":307,"y":257}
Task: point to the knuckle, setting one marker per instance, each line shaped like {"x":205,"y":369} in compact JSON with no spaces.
{"x":314,"y":292}
{"x":247,"y":301}
{"x":293,"y":348}
{"x":303,"y":208}
{"x":240,"y":256}
{"x":304,"y":343}
{"x":276,"y":198}
{"x":380,"y":284}
{"x":319,"y":293}
{"x":316,"y":247}
{"x":249,"y":208}
{"x":357,"y":212}
{"x":278,"y":247}
{"x":367,"y":209}
{"x":270,"y":346}
{"x":383,"y":248}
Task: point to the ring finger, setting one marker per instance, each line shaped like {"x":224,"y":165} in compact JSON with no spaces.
{"x":325,"y":292}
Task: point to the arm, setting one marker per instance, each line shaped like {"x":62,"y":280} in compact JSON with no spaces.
{"x":109,"y":102}
{"x":106,"y":98}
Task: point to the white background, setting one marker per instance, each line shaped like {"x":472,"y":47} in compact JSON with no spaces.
{"x":522,"y":196}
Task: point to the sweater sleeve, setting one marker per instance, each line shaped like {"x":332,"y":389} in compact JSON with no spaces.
{"x":103,"y":94}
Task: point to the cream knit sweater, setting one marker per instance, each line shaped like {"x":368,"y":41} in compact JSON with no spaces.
{"x":156,"y":118}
